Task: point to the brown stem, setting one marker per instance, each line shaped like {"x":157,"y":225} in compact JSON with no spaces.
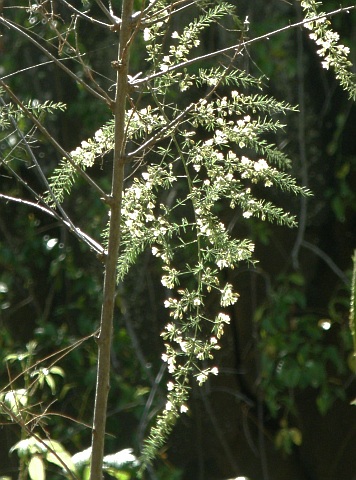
{"x":106,"y":326}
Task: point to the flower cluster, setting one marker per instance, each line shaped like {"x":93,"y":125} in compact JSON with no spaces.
{"x":141,"y":224}
{"x":189,"y":38}
{"x":218,"y":170}
{"x":334,"y":54}
{"x":92,"y":148}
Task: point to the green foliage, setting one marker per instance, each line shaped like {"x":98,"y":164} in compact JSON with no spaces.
{"x":10,"y":112}
{"x":289,"y":362}
{"x":18,"y":402}
{"x":195,"y":150}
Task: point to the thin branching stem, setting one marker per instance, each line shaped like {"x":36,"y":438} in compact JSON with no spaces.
{"x":51,"y":139}
{"x":239,"y":46}
{"x":106,"y":324}
{"x":16,"y":28}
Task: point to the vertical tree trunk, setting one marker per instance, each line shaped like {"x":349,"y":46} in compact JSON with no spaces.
{"x":106,"y":325}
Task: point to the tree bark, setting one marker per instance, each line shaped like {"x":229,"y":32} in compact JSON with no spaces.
{"x":106,"y":325}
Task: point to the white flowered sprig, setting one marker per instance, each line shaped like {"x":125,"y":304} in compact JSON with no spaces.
{"x":335,"y":55}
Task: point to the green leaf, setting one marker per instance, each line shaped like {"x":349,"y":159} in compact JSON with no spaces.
{"x":61,"y":454}
{"x":27,"y":447}
{"x":51,"y":383}
{"x":57,"y":371}
{"x":36,"y":468}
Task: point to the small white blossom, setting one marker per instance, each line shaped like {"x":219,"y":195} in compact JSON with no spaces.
{"x":146,"y":34}
{"x":221,"y":263}
{"x":228,"y":297}
{"x":260,"y":165}
{"x":223,"y":317}
{"x":201,"y":378}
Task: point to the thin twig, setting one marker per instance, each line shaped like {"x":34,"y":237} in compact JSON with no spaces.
{"x":52,"y":140}
{"x":186,"y":63}
{"x":113,"y":18}
{"x":75,"y":77}
{"x":94,"y":245}
{"x":302,"y":148}
{"x":83,"y":15}
{"x":324,"y":256}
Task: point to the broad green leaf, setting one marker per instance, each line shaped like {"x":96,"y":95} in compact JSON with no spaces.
{"x":64,"y":456}
{"x":36,"y":468}
{"x":28,"y":446}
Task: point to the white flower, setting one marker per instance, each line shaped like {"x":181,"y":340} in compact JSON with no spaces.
{"x":214,"y":370}
{"x":201,"y":378}
{"x":99,"y":136}
{"x":221,"y":263}
{"x":247,"y":214}
{"x":222,"y":317}
{"x":170,"y":386}
{"x":245,"y":160}
{"x":183,"y":409}
{"x":146,"y":34}
{"x":167,"y":281}
{"x":228,"y":297}
{"x":260,"y":165}
{"x":169,"y":406}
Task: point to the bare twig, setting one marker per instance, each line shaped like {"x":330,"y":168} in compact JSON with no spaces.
{"x":83,"y":15}
{"x":93,"y":244}
{"x":139,"y":81}
{"x":116,"y":21}
{"x":302,"y":147}
{"x":75,"y":77}
{"x":50,"y":138}
{"x":324,"y":256}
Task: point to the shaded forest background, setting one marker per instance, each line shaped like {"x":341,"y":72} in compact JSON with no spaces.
{"x":280,"y":408}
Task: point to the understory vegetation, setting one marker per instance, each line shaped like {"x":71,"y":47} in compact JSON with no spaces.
{"x":177,"y":188}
